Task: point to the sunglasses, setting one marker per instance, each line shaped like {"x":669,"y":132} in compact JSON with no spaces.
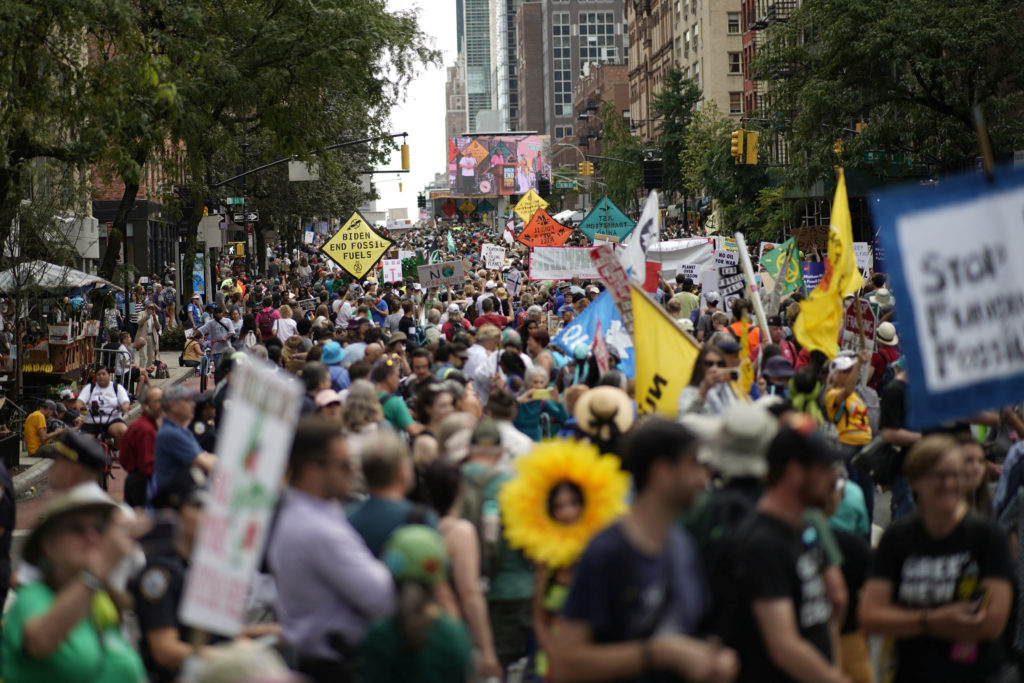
{"x":714,"y":363}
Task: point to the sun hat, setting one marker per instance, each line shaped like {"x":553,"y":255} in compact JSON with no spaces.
{"x":736,"y":442}
{"x":78,"y":499}
{"x":882,"y":297}
{"x":886,"y":334}
{"x":604,"y":412}
{"x":843,"y":361}
{"x":331,"y":354}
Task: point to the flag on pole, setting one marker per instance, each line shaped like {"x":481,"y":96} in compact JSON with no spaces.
{"x":774,"y":260}
{"x":451,"y":242}
{"x":510,"y":233}
{"x":600,"y":348}
{"x":644,"y":235}
{"x":665,"y":356}
{"x":817,"y":326}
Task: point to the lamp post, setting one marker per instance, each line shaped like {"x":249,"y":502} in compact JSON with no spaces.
{"x":586,"y":179}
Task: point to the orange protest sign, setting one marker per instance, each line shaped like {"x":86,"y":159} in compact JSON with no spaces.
{"x":544,"y":231}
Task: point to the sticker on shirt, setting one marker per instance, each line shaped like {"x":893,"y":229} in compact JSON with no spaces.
{"x":154,"y":582}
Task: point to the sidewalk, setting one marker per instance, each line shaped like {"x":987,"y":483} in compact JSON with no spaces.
{"x":38,"y":467}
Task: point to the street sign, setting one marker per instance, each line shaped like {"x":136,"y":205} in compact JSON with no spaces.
{"x":235,"y":200}
{"x":251,"y":217}
{"x":560,"y":185}
{"x":356,"y":247}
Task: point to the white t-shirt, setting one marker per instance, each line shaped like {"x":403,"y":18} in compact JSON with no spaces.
{"x":285,"y":327}
{"x":108,"y":399}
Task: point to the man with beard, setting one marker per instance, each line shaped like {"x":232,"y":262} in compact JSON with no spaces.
{"x":783,"y":618}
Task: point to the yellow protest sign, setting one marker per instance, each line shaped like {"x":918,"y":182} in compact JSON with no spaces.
{"x":664,"y":354}
{"x":528,"y":205}
{"x":356,"y":247}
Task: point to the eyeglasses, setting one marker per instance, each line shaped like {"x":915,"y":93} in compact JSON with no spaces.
{"x":714,"y":363}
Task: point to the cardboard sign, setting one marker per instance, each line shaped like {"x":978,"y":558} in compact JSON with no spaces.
{"x":356,"y":247}
{"x":252,"y":452}
{"x":811,"y":237}
{"x":493,"y":255}
{"x":544,"y":231}
{"x":691,"y":271}
{"x":960,"y":301}
{"x":307,"y":305}
{"x":730,"y":280}
{"x":444,"y":273}
{"x":600,"y":239}
{"x":848,"y":338}
{"x":562,"y":263}
{"x":615,"y":278}
{"x":392,"y":270}
{"x":726,"y":258}
{"x":606,"y":219}
{"x":862,"y":252}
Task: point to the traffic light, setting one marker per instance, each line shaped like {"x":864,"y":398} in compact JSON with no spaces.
{"x":837,"y":146}
{"x":588,"y":168}
{"x":421,"y":201}
{"x":861,"y":125}
{"x":405,"y":157}
{"x":653,"y":174}
{"x":736,"y":147}
{"x":544,"y":186}
{"x":581,"y":168}
{"x":751,"y":148}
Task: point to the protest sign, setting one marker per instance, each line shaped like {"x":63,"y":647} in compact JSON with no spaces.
{"x":356,"y":247}
{"x":765,"y":247}
{"x":528,"y":205}
{"x":307,"y":236}
{"x":443,"y":273}
{"x":784,"y":254}
{"x":581,"y":331}
{"x":513,"y":282}
{"x":600,"y":239}
{"x":614,"y":276}
{"x":848,"y":337}
{"x":813,"y":272}
{"x":404,"y":254}
{"x":307,"y":304}
{"x":606,"y":219}
{"x":961,"y":302}
{"x":493,"y":255}
{"x":562,"y":263}
{"x":726,"y":258}
{"x":862,"y":252}
{"x":811,"y":237}
{"x":392,"y":270}
{"x":673,"y":253}
{"x":252,"y":453}
{"x":544,"y":231}
{"x":691,"y":271}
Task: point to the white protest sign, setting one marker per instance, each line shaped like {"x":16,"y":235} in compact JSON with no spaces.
{"x":444,"y":273}
{"x":862,"y":251}
{"x":765,"y":247}
{"x":493,"y":255}
{"x":513,"y":282}
{"x":689,"y":270}
{"x":307,"y":237}
{"x":252,"y":453}
{"x":392,"y":270}
{"x":614,"y":276}
{"x":404,"y":254}
{"x":562,"y":263}
{"x":724,"y":257}
{"x":849,"y":339}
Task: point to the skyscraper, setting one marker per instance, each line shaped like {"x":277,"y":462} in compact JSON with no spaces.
{"x":477,"y":52}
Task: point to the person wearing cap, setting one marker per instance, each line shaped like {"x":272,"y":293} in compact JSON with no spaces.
{"x":203,"y":425}
{"x":638,"y":595}
{"x":105,"y":403}
{"x":422,"y":642}
{"x":783,"y":622}
{"x":194,"y":311}
{"x":328,"y":405}
{"x":329,"y":585}
{"x":36,"y":432}
{"x":845,"y":408}
{"x":68,"y":411}
{"x":488,"y":316}
{"x":165,"y":642}
{"x":705,"y":326}
{"x":775,"y":375}
{"x":137,"y":447}
{"x":777,"y":335}
{"x":62,"y":625}
{"x":176,"y":448}
{"x":884,"y":358}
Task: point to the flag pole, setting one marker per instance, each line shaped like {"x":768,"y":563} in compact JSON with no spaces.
{"x":748,"y":272}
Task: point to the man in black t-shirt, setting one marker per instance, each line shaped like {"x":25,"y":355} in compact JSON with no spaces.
{"x":783,"y":627}
{"x":639,"y":593}
{"x":892,"y":423}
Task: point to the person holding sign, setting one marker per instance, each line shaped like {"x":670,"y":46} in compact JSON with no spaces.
{"x":847,"y":411}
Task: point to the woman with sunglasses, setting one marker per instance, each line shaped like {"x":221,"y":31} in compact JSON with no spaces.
{"x":64,"y":626}
{"x":710,"y":390}
{"x":940,"y":581}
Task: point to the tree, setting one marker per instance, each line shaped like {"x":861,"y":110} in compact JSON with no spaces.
{"x":912,"y":70}
{"x":622,"y":171}
{"x":675,"y":105}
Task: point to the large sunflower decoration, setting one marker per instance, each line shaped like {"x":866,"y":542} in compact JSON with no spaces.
{"x":526,"y":500}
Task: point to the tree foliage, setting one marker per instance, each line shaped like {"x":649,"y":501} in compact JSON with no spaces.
{"x":622,"y":171}
{"x":675,"y":104}
{"x":912,"y":70}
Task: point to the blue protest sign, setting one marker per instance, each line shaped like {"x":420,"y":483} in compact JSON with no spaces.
{"x":581,"y":330}
{"x":607,"y":219}
{"x":952,"y":252}
{"x":813,"y":272}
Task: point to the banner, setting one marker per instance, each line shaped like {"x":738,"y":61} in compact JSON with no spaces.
{"x":813,"y":272}
{"x":199,"y":274}
{"x":691,"y":252}
{"x":606,"y":219}
{"x":615,"y":279}
{"x":443,"y":273}
{"x":513,"y":282}
{"x":356,"y":247}
{"x":562,"y":263}
{"x":781,"y":255}
{"x":581,"y":331}
{"x":392,"y":270}
{"x":493,"y":255}
{"x":953,"y":254}
{"x":544,"y":231}
{"x":664,"y":357}
{"x":497,"y":165}
{"x":641,"y":240}
{"x":252,"y":453}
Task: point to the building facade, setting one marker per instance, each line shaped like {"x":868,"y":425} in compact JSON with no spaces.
{"x":530,"y":63}
{"x":651,"y":28}
{"x":598,"y":82}
{"x":455,"y":119}
{"x":477,"y":53}
{"x":708,"y":46}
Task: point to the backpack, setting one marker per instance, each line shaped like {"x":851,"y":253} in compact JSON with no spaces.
{"x":888,"y":375}
{"x":266,"y":324}
{"x":473,"y":501}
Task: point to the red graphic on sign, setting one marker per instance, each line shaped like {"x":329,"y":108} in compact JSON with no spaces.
{"x":449,"y":208}
{"x":544,"y":231}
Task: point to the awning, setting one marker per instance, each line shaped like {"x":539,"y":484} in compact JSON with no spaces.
{"x":50,"y":276}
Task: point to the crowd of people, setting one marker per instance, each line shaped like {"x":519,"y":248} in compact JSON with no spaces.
{"x":749,"y":546}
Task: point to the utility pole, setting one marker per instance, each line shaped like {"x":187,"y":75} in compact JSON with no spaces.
{"x":246,"y":225}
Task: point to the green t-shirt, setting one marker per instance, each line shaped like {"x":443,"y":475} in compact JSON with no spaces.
{"x":395,"y":410}
{"x":86,"y":656}
{"x":445,"y":657}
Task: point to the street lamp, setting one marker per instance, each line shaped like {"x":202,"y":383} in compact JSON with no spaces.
{"x":586,"y":179}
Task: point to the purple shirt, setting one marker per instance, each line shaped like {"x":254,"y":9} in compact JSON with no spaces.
{"x":328,"y":582}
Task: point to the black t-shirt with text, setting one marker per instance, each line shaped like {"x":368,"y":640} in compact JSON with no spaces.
{"x":776,"y":561}
{"x":925,"y":573}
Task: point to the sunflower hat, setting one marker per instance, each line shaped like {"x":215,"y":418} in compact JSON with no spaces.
{"x":524,"y":500}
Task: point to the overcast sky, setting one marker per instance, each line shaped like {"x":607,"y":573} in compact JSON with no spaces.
{"x":422,"y":112}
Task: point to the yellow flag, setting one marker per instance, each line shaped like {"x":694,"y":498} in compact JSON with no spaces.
{"x":817,"y":326}
{"x":664,"y":357}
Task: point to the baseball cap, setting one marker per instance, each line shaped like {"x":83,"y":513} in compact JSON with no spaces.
{"x":486,"y":434}
{"x":843,"y":361}
{"x":326,"y":398}
{"x":490,"y":285}
{"x":454,"y":308}
{"x":711,"y":298}
{"x":178,"y":392}
{"x":774,"y":321}
{"x":778,"y":367}
{"x":566,"y":308}
{"x":66,"y":394}
{"x":50,"y":404}
{"x":77,"y":448}
{"x":727,"y":345}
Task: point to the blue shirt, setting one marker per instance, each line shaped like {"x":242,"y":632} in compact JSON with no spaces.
{"x":339,"y":377}
{"x":175,"y":449}
{"x":195,"y":315}
{"x":377,"y":518}
{"x":379,"y":318}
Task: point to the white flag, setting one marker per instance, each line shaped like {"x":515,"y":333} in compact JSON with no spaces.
{"x":646,"y":233}
{"x":510,"y":235}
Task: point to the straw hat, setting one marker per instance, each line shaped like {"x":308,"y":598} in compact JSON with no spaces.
{"x":604,"y":412}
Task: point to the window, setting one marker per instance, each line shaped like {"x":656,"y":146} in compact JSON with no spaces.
{"x":734,"y":22}
{"x":562,"y":132}
{"x":735,"y":103}
{"x":735,"y":63}
{"x":597,"y":37}
{"x":561,"y":63}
